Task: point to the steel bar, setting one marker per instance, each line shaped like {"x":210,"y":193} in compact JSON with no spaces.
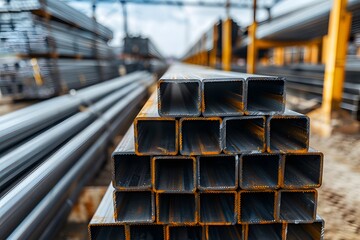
{"x":257,"y":206}
{"x":155,"y":135}
{"x":297,"y":206}
{"x":218,"y":208}
{"x":264,"y":231}
{"x":15,"y":205}
{"x":131,"y":172}
{"x":200,"y":136}
{"x":264,"y":95}
{"x":302,"y":231}
{"x":288,"y":132}
{"x":303,"y":170}
{"x":134,"y":206}
{"x":178,"y":94}
{"x":144,"y":232}
{"x":260,"y":171}
{"x":244,"y":134}
{"x":174,"y":174}
{"x":176,"y":208}
{"x":103,"y":224}
{"x":185,"y":233}
{"x":217,"y":172}
{"x":222,"y":97}
{"x":235,"y":232}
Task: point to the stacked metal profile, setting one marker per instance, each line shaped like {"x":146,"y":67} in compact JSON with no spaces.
{"x":47,"y":47}
{"x":216,"y":156}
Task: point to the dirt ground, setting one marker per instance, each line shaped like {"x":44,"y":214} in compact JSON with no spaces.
{"x":339,"y":196}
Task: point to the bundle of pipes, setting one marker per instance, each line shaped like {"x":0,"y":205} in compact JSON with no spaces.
{"x":213,"y":155}
{"x":50,"y":150}
{"x":41,"y":45}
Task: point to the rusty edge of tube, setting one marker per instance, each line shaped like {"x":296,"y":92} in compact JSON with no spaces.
{"x":126,"y":147}
{"x":229,"y":187}
{"x":288,"y":114}
{"x":154,"y":173}
{"x":215,"y":152}
{"x":275,"y":211}
{"x":261,"y":187}
{"x":150,"y":113}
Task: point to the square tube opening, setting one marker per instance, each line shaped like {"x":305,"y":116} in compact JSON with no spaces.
{"x":174,"y":208}
{"x":179,"y":99}
{"x":302,"y":170}
{"x":245,"y":134}
{"x":185,"y":233}
{"x":200,"y":136}
{"x":265,"y":231}
{"x":288,"y":134}
{"x":223,"y":98}
{"x":265,"y":96}
{"x":259,"y":171}
{"x":139,"y":232}
{"x":107,"y":232}
{"x":257,"y":207}
{"x":156,"y":137}
{"x":133,"y":207}
{"x":218,"y":172}
{"x":305,"y":231}
{"x":298,"y":206}
{"x":132,"y":172}
{"x":225,"y":232}
{"x":174,"y":174}
{"x":217,"y":208}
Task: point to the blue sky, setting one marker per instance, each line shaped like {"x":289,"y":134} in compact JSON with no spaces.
{"x":173,"y":29}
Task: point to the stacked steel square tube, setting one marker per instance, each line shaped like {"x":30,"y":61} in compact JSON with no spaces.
{"x":213,"y":155}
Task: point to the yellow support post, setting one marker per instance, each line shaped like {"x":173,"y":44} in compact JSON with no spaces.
{"x":252,"y":50}
{"x":339,"y":30}
{"x":226,"y":45}
{"x":337,"y":43}
{"x":307,"y":54}
{"x":324,"y":49}
{"x":279,"y":56}
{"x":314,"y":57}
{"x":213,"y":52}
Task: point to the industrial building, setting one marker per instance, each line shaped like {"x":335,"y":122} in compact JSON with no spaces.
{"x":179,"y":119}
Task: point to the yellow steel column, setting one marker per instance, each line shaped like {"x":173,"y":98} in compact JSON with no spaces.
{"x":324,"y":49}
{"x":213,"y":51}
{"x":307,"y":54}
{"x":339,"y":30}
{"x":252,"y":50}
{"x":279,"y":56}
{"x":226,"y":45}
{"x":314,"y":58}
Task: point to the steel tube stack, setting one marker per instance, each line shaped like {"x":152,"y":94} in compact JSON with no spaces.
{"x":243,"y":170}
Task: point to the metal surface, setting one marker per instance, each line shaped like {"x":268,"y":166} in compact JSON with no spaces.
{"x":218,"y":208}
{"x":244,"y":134}
{"x":217,"y":172}
{"x":155,"y":135}
{"x":176,"y":208}
{"x":299,"y":231}
{"x":257,"y":206}
{"x":131,"y":172}
{"x":303,"y":170}
{"x":185,"y":232}
{"x":134,"y":206}
{"x":200,"y":136}
{"x":235,"y":232}
{"x":139,"y":232}
{"x":288,"y":132}
{"x":174,"y":174}
{"x":260,"y":171}
{"x":264,"y":95}
{"x":297,"y":206}
{"x":264,"y":231}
